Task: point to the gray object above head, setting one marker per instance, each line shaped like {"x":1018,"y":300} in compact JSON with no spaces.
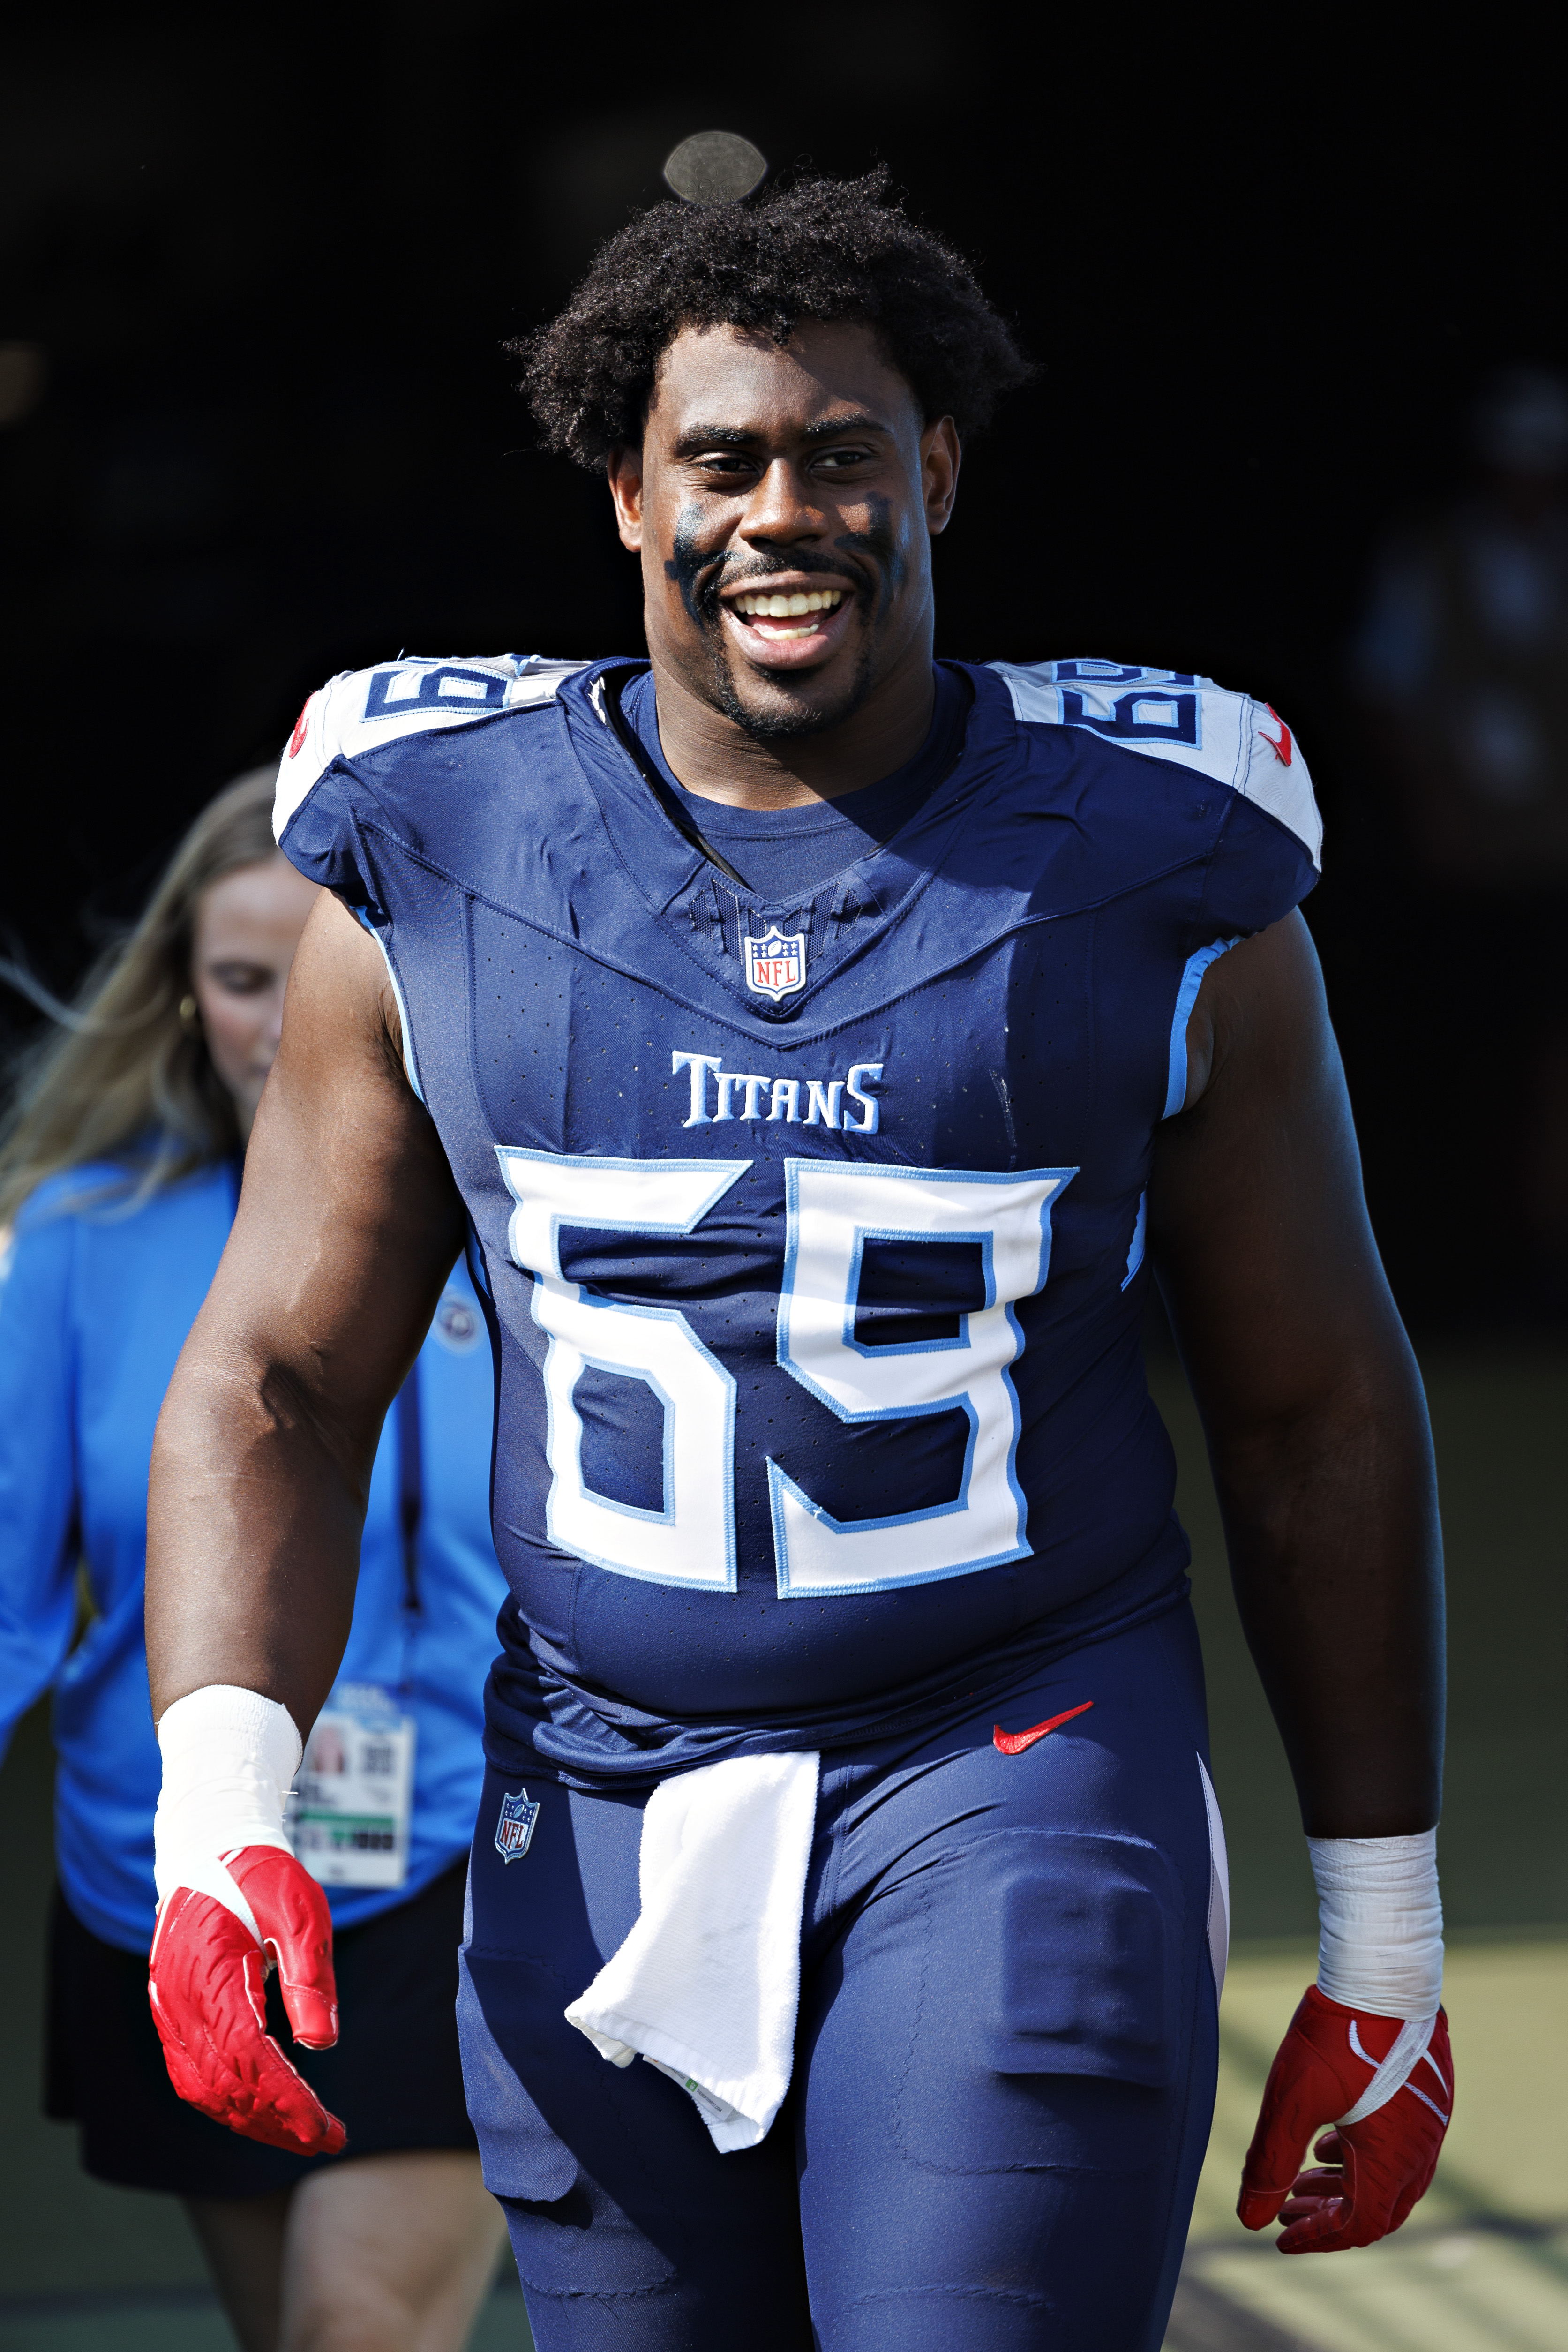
{"x":714,"y":167}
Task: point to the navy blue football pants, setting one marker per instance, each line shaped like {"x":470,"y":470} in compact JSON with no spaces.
{"x":1005,"y":2066}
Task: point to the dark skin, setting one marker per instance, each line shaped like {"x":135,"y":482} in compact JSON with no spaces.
{"x":1310,"y":1400}
{"x":350,"y":1219}
{"x":806,"y":470}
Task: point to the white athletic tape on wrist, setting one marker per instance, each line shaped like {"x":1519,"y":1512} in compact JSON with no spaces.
{"x":1381,"y":1946}
{"x":229,"y":1757}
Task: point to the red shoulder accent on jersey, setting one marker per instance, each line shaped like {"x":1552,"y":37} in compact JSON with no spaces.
{"x":1282,"y":750}
{"x":297,"y":740}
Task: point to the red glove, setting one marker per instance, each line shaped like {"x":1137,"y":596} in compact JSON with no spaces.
{"x":1374,"y":2168}
{"x":206,"y":1982}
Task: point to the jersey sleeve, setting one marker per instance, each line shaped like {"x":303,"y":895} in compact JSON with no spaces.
{"x":1269,"y":851}
{"x":360,"y":711}
{"x":1267,"y":856}
{"x":37,"y":1458}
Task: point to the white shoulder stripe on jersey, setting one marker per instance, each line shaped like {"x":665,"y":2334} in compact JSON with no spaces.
{"x":360,"y":709}
{"x":1174,"y":716}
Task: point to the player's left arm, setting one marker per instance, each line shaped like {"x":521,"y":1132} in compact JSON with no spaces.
{"x":1309,"y":1391}
{"x":1322,"y":1462}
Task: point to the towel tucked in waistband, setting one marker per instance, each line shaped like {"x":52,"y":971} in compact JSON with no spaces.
{"x":708,"y":1984}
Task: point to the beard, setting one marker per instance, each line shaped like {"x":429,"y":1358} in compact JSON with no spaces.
{"x":785,"y":724}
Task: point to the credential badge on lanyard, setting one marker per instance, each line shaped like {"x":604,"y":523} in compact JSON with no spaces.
{"x":349,"y":1809}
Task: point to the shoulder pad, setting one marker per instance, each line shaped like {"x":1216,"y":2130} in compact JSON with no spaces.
{"x":1170,"y":714}
{"x":360,"y":709}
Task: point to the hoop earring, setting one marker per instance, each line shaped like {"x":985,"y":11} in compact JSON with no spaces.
{"x":190,"y":1017}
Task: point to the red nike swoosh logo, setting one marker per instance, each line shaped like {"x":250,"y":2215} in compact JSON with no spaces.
{"x":1013,"y":1743}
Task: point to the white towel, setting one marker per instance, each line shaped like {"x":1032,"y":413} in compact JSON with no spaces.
{"x":707,"y":1983}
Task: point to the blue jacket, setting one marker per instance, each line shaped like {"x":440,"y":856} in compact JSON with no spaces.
{"x":94,"y":1310}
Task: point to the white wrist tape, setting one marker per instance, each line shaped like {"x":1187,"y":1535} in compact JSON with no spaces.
{"x":229,"y":1757}
{"x":1381,"y":1946}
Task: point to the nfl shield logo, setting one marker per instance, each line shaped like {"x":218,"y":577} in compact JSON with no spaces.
{"x":515,"y":1825}
{"x":776,"y":964}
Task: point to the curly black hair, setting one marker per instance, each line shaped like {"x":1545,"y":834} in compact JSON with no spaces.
{"x":822,"y":250}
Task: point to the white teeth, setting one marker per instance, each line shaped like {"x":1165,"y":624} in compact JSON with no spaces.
{"x":784,"y":608}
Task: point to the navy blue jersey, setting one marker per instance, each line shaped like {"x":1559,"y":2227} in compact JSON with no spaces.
{"x":813,"y":1231}
{"x":777,"y":851}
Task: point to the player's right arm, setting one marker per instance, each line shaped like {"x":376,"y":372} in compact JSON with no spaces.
{"x":347,"y":1225}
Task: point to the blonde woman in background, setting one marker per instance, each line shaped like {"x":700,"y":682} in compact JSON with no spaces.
{"x":119,"y":1170}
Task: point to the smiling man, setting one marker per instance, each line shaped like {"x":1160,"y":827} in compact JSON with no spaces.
{"x":808,"y":630}
{"x":815,"y":1045}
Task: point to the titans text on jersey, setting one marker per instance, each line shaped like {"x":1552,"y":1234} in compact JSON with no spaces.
{"x":811,"y":1234}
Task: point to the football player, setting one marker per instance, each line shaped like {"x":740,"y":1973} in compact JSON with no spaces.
{"x":815,"y":1045}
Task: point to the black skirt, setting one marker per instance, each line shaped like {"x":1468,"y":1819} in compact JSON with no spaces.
{"x":394,"y":2076}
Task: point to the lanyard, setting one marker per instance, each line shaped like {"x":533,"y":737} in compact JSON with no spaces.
{"x":410,"y":1485}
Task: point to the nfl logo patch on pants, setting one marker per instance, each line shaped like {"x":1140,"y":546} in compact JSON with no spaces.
{"x":515,"y":1825}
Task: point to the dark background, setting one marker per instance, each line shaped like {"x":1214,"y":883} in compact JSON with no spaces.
{"x":266,"y":261}
{"x":269,"y":261}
